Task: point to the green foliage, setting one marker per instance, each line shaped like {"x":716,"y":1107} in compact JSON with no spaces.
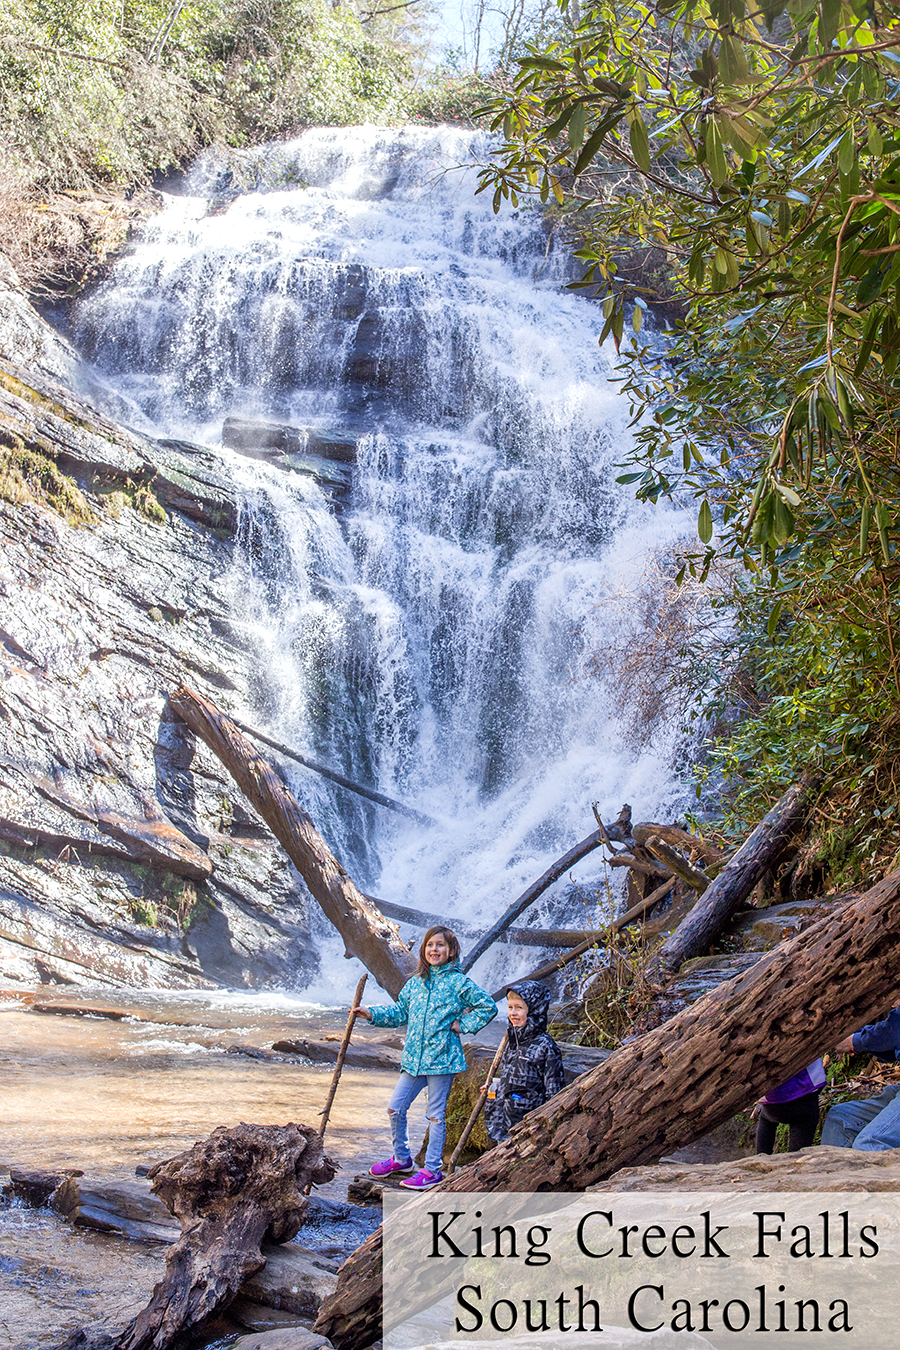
{"x":759,"y":146}
{"x":93,"y":94}
{"x":449,"y":95}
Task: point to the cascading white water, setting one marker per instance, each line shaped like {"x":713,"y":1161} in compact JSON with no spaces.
{"x":428,"y":641}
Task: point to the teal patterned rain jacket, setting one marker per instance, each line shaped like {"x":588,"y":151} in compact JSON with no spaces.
{"x":428,"y":1008}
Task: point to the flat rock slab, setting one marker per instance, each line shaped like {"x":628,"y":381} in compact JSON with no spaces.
{"x":125,"y":1207}
{"x":158,"y":843}
{"x":359,"y":1056}
{"x":577,"y":1059}
{"x":35,"y":1188}
{"x":284,"y":1338}
{"x":293,"y":1279}
{"x":761,"y":929}
{"x":366,"y":1192}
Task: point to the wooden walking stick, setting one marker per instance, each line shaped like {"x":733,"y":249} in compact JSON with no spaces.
{"x":342,"y":1054}
{"x":339,"y":1064}
{"x":477,"y":1108}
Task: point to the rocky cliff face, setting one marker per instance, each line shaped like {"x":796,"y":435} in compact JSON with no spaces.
{"x":126,"y":856}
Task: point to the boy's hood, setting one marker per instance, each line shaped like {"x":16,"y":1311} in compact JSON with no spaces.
{"x":537,"y":997}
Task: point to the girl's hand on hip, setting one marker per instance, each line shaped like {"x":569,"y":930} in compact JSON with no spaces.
{"x":454,"y":1026}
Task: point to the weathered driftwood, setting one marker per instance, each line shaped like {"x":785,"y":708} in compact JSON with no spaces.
{"x":694,"y":846}
{"x":390,"y":802}
{"x":671,"y":858}
{"x":230,"y":1192}
{"x":342,"y":1055}
{"x":537,"y":888}
{"x":733,"y":1043}
{"x":367,"y":934}
{"x":696,"y":933}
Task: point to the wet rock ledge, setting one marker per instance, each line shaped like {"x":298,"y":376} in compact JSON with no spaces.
{"x":125,"y":854}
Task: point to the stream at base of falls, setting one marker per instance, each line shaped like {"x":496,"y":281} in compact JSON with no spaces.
{"x":108,"y":1096}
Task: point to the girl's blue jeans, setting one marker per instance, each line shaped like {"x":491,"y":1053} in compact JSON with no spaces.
{"x":405,"y":1093}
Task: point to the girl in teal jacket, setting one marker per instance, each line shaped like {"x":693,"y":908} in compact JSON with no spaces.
{"x":436,"y":1005}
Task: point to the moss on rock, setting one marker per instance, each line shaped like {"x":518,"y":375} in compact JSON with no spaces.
{"x":27,"y":475}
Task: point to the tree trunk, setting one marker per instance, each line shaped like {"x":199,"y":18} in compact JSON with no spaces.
{"x":664,"y":1089}
{"x":643,"y":906}
{"x":390,"y":802}
{"x":671,"y":858}
{"x":694,"y":845}
{"x":525,"y":937}
{"x":367,"y":934}
{"x":537,"y":888}
{"x":723,"y":898}
{"x":230,"y":1192}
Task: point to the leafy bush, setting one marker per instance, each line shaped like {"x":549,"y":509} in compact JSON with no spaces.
{"x":757,"y":145}
{"x":94,"y":95}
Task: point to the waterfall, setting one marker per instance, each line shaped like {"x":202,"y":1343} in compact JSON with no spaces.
{"x":427,"y":638}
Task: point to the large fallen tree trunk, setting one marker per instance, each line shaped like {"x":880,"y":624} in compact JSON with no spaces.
{"x":664,"y":1089}
{"x":367,"y":934}
{"x":230,"y":1192}
{"x":724,"y":896}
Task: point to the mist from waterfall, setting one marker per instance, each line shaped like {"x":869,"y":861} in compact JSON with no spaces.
{"x":428,"y":639}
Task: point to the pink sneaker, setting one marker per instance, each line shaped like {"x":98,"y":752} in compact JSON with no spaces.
{"x":423,"y":1180}
{"x":390,"y":1167}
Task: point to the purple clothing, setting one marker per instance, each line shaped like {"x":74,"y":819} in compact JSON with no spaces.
{"x":811,"y":1079}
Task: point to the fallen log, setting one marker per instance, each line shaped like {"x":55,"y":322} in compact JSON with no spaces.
{"x":699,"y":929}
{"x":560,"y":963}
{"x":640,"y":865}
{"x":643,"y":906}
{"x":367,"y":934}
{"x":675,"y":862}
{"x":666,"y":1088}
{"x":392,"y":805}
{"x":362,"y":1055}
{"x":524,"y":937}
{"x":537,"y":888}
{"x":230,"y":1192}
{"x":695,"y":846}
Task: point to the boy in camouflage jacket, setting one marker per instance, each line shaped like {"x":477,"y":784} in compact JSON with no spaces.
{"x":531,"y":1070}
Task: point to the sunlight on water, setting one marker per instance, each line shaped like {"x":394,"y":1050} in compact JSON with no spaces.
{"x":109,"y":1096}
